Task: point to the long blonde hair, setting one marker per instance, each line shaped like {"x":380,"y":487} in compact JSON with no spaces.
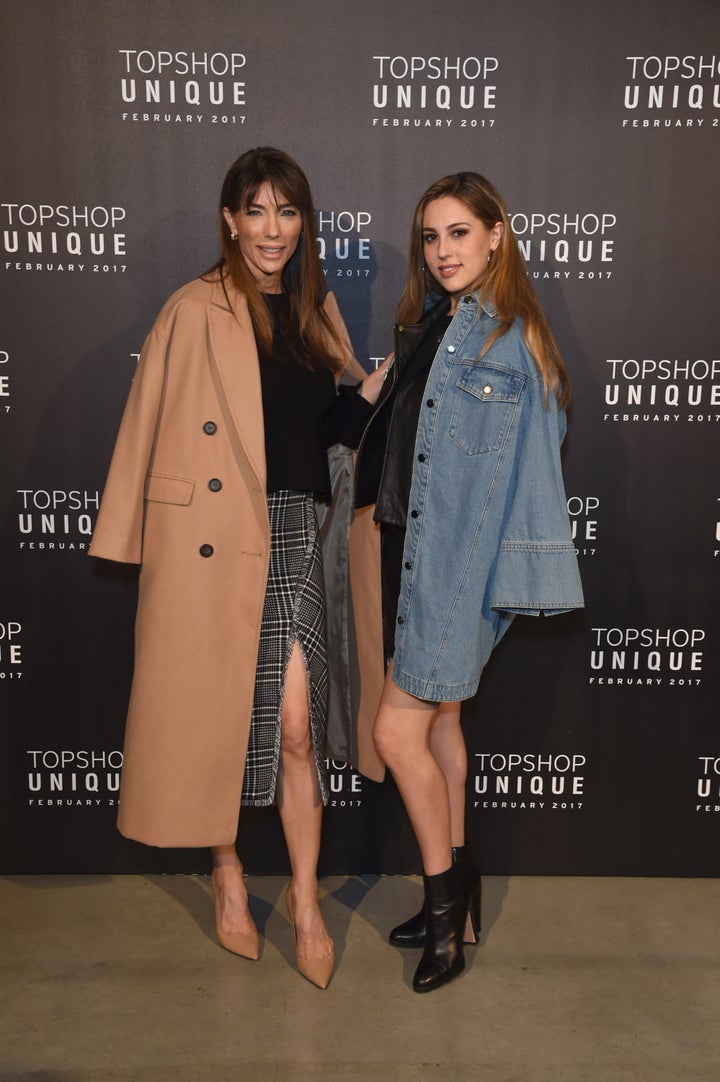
{"x":505,"y":282}
{"x":311,"y":338}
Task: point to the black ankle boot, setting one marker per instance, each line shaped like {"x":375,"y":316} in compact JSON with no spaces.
{"x":446,"y":910}
{"x":472,"y":882}
{"x":411,"y":933}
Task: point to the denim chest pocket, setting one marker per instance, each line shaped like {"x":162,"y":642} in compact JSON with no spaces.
{"x":485,"y":403}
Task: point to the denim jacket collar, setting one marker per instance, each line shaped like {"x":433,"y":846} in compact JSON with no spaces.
{"x":485,"y":303}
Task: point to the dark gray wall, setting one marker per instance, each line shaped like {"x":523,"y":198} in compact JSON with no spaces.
{"x":593,"y":741}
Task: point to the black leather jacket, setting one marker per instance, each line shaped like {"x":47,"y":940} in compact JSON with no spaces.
{"x":373,"y":466}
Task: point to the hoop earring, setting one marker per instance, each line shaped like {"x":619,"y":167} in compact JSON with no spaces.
{"x":234,"y":235}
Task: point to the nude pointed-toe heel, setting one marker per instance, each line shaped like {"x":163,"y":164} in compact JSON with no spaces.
{"x":246,"y":945}
{"x":317,"y":970}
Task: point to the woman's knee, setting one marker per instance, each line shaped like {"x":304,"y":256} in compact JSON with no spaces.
{"x":295,"y":734}
{"x":389,"y":740}
{"x":295,"y":718}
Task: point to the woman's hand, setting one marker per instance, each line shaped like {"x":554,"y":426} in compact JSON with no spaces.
{"x":370,"y":386}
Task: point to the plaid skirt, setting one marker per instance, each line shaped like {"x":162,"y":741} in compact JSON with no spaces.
{"x":294,"y":611}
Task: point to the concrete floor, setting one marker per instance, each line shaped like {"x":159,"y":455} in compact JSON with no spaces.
{"x":575,"y":980}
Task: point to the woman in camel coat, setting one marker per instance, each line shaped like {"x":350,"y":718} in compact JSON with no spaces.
{"x":187,"y":497}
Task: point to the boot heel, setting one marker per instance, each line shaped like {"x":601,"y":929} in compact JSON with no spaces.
{"x":472,"y":924}
{"x":470,"y":876}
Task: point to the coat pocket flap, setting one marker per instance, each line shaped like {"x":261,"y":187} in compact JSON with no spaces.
{"x":162,"y":489}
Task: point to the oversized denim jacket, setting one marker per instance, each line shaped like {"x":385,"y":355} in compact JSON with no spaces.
{"x":488,"y":534}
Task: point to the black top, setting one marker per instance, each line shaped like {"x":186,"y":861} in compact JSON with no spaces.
{"x":303,"y":415}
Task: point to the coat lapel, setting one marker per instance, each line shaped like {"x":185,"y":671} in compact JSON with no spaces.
{"x":236,"y":372}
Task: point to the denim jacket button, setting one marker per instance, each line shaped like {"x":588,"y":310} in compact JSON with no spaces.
{"x":408,"y":565}
{"x":400,"y":620}
{"x":421,"y":458}
{"x":451,"y":349}
{"x":487,"y":389}
{"x":414,"y":514}
{"x":430,"y":402}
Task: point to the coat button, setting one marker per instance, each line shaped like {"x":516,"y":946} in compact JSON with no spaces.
{"x":414,"y":514}
{"x":408,"y":565}
{"x":209,"y":428}
{"x":421,"y":458}
{"x":214,"y":484}
{"x":430,"y":402}
{"x":206,"y":550}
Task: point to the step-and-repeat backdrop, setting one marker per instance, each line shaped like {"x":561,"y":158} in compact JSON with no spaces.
{"x":593,"y":743}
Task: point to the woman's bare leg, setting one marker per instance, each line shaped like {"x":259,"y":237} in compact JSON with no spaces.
{"x":300,"y":806}
{"x":231,"y":898}
{"x":403,"y":737}
{"x":447,"y":744}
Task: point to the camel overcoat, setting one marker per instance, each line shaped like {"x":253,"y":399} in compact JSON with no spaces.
{"x":185,"y":498}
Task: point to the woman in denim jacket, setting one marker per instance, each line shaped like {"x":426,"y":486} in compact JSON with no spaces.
{"x":462,"y":459}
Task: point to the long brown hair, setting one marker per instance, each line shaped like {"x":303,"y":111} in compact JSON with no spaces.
{"x":505,"y":282}
{"x":311,"y":337}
